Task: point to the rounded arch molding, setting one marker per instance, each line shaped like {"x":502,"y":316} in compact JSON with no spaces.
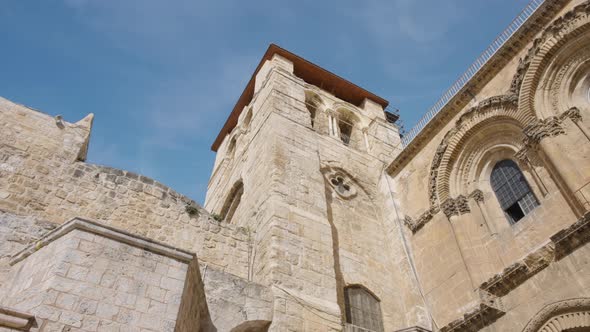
{"x":561,"y":316}
{"x":499,"y":110}
{"x":531,"y":68}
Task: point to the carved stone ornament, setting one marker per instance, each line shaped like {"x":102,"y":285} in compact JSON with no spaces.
{"x":415,"y":225}
{"x":572,"y":114}
{"x":540,"y":129}
{"x":556,"y":28}
{"x":508,"y":101}
{"x":342,"y":184}
{"x":455,"y":206}
{"x":567,"y":315}
{"x":477,"y":195}
{"x":560,"y":245}
{"x":475,"y":319}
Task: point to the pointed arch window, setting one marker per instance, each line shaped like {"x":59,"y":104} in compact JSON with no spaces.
{"x":512,"y":190}
{"x":363,"y":310}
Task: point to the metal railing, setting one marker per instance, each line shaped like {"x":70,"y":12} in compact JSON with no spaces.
{"x":524,"y":15}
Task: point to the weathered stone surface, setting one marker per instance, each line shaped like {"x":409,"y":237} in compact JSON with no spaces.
{"x":312,"y":194}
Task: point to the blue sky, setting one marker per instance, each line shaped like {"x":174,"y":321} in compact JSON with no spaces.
{"x":161,"y":76}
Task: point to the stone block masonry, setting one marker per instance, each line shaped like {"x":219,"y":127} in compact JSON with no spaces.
{"x":87,"y":277}
{"x":43,"y":176}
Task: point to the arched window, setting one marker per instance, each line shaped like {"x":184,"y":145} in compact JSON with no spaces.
{"x":362,"y":309}
{"x":346,"y":123}
{"x":345,"y":129}
{"x":232,"y":202}
{"x":248,"y":118}
{"x":231,"y":148}
{"x":512,"y":190}
{"x":312,"y":103}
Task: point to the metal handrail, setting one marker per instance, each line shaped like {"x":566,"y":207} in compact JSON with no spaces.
{"x":524,"y":15}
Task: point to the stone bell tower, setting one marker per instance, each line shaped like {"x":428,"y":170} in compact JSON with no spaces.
{"x":300,"y":166}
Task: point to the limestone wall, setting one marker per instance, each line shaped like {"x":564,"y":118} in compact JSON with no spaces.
{"x":42,"y":176}
{"x":307,"y":239}
{"x":93,"y":282}
{"x":458,"y":234}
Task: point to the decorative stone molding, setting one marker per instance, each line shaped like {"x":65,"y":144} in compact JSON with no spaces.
{"x":455,"y":206}
{"x":542,"y":128}
{"x":475,"y":319}
{"x":560,"y":245}
{"x":517,"y":273}
{"x":477,"y":196}
{"x":530,"y":68}
{"x":559,"y":27}
{"x":572,"y":114}
{"x":342,"y":184}
{"x":561,"y":316}
{"x":504,"y":55}
{"x":503,"y":106}
{"x":424,"y":218}
{"x":569,"y":239}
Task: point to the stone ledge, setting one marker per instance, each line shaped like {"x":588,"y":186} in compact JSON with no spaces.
{"x":16,"y":320}
{"x":108,"y":232}
{"x":569,"y":239}
{"x":558,"y":246}
{"x":479,"y":317}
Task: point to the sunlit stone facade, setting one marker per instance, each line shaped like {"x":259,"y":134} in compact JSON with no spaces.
{"x":317,"y":217}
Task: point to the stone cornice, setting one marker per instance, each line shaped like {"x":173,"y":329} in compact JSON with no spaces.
{"x":558,"y":246}
{"x":477,"y":318}
{"x":490,"y":308}
{"x":415,"y":225}
{"x":105,"y":231}
{"x":506,"y":53}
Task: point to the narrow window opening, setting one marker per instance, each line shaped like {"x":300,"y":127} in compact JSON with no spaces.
{"x":312,"y":103}
{"x":345,"y":131}
{"x":363,"y":310}
{"x":232,"y":202}
{"x":231,"y":148}
{"x":512,"y":190}
{"x":248,"y":118}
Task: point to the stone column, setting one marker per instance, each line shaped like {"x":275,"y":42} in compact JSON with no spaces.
{"x":457,"y":210}
{"x":547,"y":135}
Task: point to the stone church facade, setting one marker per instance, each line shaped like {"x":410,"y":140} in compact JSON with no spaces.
{"x":319,"y":215}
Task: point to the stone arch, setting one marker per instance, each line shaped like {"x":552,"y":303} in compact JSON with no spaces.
{"x":491,"y":141}
{"x":561,"y":316}
{"x":490,"y":113}
{"x":555,"y":37}
{"x":348,"y":127}
{"x":314,"y":105}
